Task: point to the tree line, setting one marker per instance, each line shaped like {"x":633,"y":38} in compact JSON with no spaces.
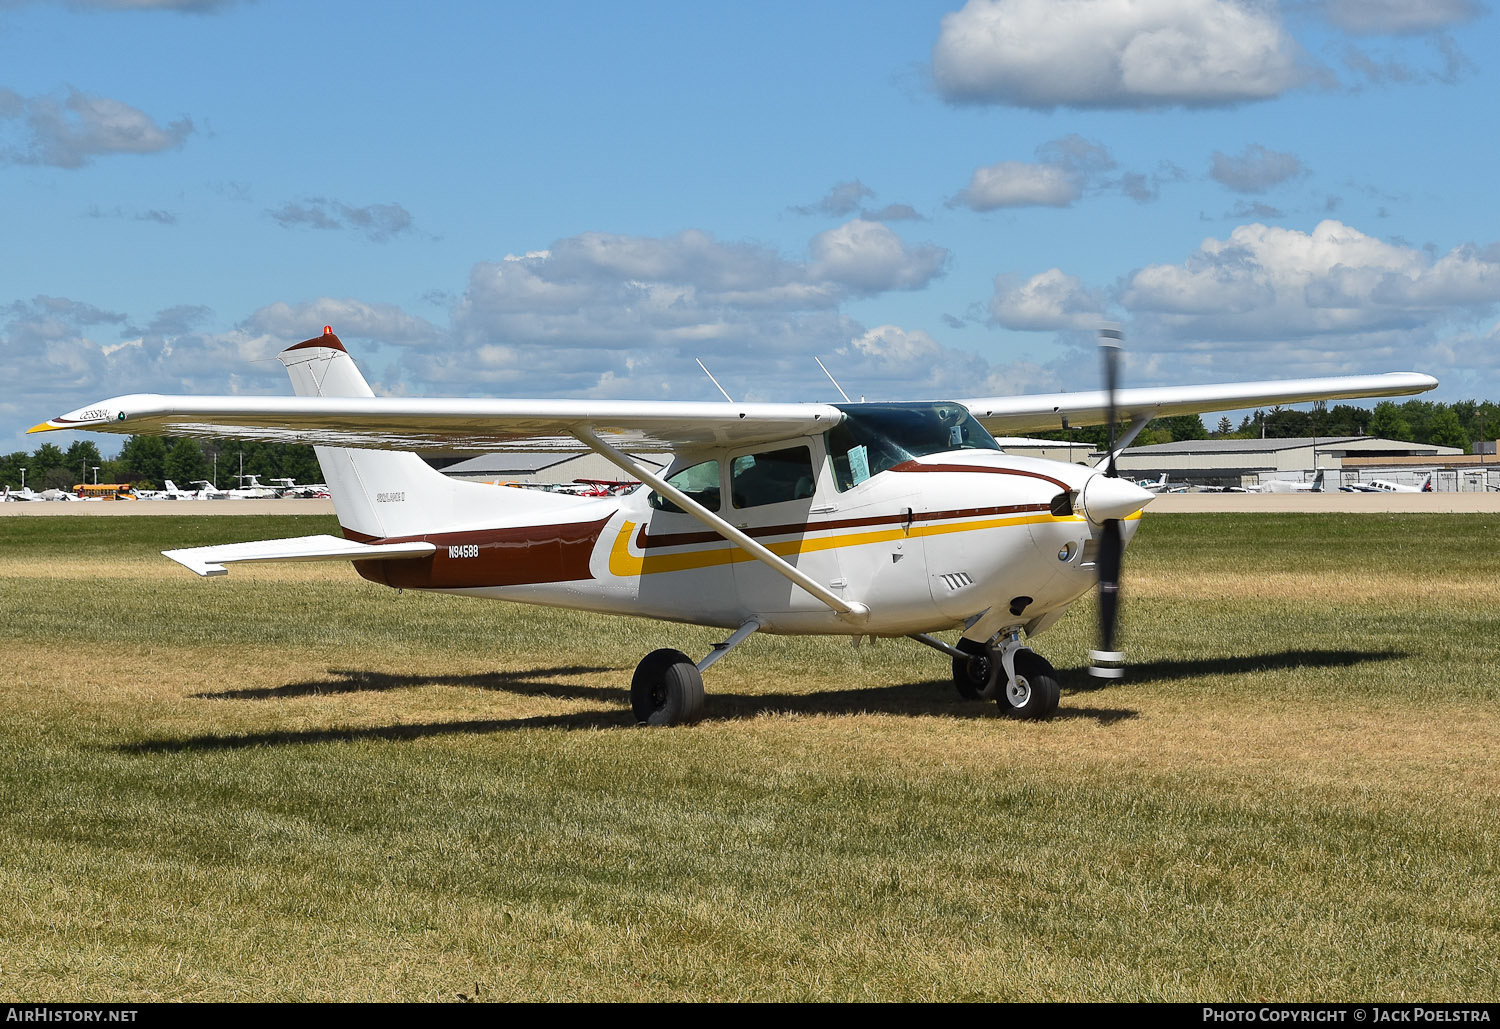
{"x":148,"y":461}
{"x":1460,"y":424}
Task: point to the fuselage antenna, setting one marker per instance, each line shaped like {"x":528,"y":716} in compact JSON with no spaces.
{"x":713,"y":380}
{"x":832,"y":380}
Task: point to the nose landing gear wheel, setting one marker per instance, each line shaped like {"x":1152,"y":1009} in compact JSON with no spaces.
{"x":667,"y":689}
{"x":1034,"y":692}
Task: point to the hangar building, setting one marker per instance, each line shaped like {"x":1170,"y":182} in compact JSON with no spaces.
{"x":1249,"y":462}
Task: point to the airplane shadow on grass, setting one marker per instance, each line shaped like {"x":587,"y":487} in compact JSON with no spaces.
{"x":931,"y":699}
{"x":528,"y":682}
{"x":1192,"y":668}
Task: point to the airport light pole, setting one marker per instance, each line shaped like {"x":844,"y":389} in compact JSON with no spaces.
{"x":96,"y":475}
{"x":23,"y":478}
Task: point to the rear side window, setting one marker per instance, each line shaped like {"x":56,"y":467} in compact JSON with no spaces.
{"x":772,"y":477}
{"x":699,"y":481}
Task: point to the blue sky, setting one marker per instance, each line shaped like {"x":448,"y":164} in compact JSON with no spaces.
{"x":578,"y":199}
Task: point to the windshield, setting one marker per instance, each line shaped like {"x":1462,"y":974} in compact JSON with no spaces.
{"x":874,"y":437}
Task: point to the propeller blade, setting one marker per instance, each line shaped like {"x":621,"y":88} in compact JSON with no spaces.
{"x":1106,"y":662}
{"x":1109,"y":349}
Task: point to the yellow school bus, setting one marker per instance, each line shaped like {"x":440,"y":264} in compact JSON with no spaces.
{"x":104,"y":490}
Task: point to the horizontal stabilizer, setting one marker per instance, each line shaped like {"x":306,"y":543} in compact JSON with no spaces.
{"x":211,"y":560}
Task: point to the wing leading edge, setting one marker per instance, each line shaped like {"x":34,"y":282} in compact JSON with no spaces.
{"x":1040,"y":412}
{"x":412,"y":423}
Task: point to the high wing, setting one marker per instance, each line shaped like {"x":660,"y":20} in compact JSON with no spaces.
{"x":1043,"y":411}
{"x":411,"y":423}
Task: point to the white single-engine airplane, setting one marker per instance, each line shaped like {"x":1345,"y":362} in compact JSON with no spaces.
{"x":868,"y":519}
{"x":1386,"y":486}
{"x":1160,"y":485}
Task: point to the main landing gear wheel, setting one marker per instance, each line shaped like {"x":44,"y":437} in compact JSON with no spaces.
{"x":977,"y":676}
{"x":667,"y":689}
{"x":1034,"y":692}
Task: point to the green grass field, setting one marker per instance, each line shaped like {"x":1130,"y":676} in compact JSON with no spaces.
{"x":290,"y":784}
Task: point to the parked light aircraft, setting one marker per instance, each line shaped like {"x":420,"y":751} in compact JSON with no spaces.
{"x":1271,"y":486}
{"x":1386,"y":486}
{"x":867,"y":519}
{"x":1160,"y":485}
{"x":289,"y":488}
{"x":1287,"y":486}
{"x":169,"y":491}
{"x":254,"y":491}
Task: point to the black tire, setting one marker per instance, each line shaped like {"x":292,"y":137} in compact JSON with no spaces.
{"x":667,"y":689}
{"x":1035,"y":692}
{"x":976,"y":677}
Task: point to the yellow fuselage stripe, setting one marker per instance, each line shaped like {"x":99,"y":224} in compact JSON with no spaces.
{"x":624,"y":564}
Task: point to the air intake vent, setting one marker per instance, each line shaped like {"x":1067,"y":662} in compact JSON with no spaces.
{"x":1062,"y":504}
{"x":957,"y":580}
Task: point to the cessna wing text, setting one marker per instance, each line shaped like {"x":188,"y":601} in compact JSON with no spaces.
{"x":868,"y":519}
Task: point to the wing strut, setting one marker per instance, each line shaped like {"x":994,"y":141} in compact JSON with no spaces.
{"x":1138,"y":421}
{"x":851,"y":612}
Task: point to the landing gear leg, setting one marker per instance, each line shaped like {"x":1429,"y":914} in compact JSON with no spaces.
{"x":1021,"y":681}
{"x":1031,"y":690}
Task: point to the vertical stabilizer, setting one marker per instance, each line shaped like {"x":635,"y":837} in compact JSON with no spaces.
{"x":380,"y":494}
{"x":376,"y":493}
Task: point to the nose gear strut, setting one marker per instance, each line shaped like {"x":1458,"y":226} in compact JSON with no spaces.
{"x":1017,"y":678}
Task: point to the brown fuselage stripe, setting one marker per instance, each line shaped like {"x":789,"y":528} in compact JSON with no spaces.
{"x":645,"y":541}
{"x":513,"y":556}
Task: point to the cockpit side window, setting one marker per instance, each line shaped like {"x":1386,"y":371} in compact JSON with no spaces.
{"x":875,"y":437}
{"x":772,"y":477}
{"x":699,"y":481}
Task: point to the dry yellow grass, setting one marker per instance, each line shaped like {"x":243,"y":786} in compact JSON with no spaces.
{"x":291,"y":784}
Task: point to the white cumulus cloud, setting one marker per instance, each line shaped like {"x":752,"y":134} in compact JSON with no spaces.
{"x":1017,"y":184}
{"x":867,"y":257}
{"x":1268,"y":282}
{"x":1113,"y":53}
{"x":1050,"y":301}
